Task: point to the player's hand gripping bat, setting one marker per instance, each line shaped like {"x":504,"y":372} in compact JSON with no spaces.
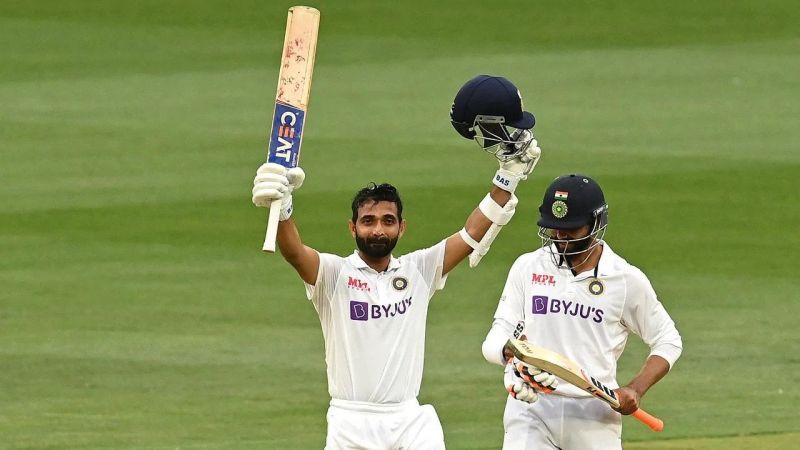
{"x":570,"y":372}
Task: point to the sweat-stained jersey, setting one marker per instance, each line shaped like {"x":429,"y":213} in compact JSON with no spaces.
{"x":584,"y":318}
{"x":374,"y":323}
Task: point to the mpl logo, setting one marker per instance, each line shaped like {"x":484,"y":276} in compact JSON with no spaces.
{"x":541,"y":304}
{"x":287,"y":129}
{"x":549,"y":280}
{"x":355,"y":283}
{"x":363,"y":311}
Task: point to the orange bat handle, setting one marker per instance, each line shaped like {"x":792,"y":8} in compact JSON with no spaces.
{"x":653,"y":422}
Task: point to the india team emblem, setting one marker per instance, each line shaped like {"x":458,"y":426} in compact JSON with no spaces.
{"x":596,"y":287}
{"x":399,"y":283}
{"x":560,"y":209}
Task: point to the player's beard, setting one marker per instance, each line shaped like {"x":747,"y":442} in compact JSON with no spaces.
{"x":376,"y":247}
{"x":575,"y":248}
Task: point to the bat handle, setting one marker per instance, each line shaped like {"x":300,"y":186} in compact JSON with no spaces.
{"x":272,"y":226}
{"x":653,"y":422}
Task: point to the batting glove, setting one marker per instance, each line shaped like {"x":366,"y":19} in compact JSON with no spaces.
{"x":540,"y":380}
{"x":513,"y":171}
{"x":516,"y":386}
{"x":275,"y":182}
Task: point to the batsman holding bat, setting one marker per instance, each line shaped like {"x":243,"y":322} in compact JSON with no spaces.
{"x":373,"y":306}
{"x":576,"y":297}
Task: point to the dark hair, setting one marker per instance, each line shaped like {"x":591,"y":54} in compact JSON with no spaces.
{"x":383,"y":192}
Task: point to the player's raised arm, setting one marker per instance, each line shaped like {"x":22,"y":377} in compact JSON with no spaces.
{"x":273,"y":183}
{"x":489,"y":110}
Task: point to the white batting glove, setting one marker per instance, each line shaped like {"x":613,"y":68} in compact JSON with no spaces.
{"x":515,"y":170}
{"x":542,"y":381}
{"x":518,"y":387}
{"x":275,"y":182}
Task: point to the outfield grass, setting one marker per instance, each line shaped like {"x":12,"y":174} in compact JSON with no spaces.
{"x":137,"y":311}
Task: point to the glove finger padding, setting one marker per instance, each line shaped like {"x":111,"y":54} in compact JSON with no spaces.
{"x":295,"y":177}
{"x":542,"y":381}
{"x":278,"y":179}
{"x":517,"y":387}
{"x":271,"y":168}
{"x":263,"y":196}
{"x":270,"y":184}
{"x":533,"y":152}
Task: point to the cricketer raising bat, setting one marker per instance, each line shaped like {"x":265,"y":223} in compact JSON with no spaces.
{"x":570,"y":372}
{"x":291,"y":100}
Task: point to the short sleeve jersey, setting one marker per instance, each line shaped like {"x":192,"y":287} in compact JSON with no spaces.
{"x":583,"y":317}
{"x":374,"y":323}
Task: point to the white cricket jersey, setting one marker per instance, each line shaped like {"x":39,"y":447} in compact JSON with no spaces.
{"x":584,"y":318}
{"x":374,"y":323}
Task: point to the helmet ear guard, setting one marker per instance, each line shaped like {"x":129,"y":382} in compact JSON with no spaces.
{"x":464,"y":129}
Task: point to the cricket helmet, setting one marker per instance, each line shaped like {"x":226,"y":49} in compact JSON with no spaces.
{"x":485,"y":108}
{"x":571,"y":202}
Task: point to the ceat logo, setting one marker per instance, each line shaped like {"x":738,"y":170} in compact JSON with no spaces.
{"x":355,"y":283}
{"x":286,"y":135}
{"x":549,"y":280}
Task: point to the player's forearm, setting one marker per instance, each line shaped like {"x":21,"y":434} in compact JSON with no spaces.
{"x":477,"y":223}
{"x":653,"y":370}
{"x":494,"y":347}
{"x":304,"y":259}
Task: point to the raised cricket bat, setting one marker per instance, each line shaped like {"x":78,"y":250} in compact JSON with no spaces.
{"x":573,"y":374}
{"x":291,"y":100}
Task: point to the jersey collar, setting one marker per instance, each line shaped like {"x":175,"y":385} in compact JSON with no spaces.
{"x":356,"y":261}
{"x":605,"y":266}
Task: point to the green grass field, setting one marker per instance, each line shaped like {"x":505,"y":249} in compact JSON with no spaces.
{"x":138,"y":312}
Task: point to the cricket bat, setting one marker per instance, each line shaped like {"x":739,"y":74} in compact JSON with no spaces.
{"x":291,"y":100}
{"x":573,"y":374}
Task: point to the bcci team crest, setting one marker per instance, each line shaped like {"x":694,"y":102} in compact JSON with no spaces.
{"x":596,"y":287}
{"x":560,"y":209}
{"x":399,"y":283}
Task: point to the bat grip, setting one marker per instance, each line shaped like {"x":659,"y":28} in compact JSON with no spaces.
{"x":272,"y":226}
{"x":653,"y":422}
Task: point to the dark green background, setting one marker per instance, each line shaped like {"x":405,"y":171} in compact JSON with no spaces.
{"x":137,"y":311}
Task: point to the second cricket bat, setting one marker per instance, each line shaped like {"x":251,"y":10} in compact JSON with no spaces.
{"x":291,"y":100}
{"x":573,"y":374}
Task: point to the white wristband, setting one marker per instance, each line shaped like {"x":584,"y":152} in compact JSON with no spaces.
{"x":506,"y":180}
{"x":496,"y":213}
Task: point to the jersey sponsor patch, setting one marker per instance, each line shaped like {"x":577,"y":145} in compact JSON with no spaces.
{"x":543,"y":279}
{"x":542,"y":305}
{"x":355,"y":283}
{"x":363,"y":311}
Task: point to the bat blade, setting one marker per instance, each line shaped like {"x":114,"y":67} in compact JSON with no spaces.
{"x":291,"y":99}
{"x":573,"y":374}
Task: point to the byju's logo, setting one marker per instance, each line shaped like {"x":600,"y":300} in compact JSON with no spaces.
{"x":359,"y":310}
{"x":543,"y":305}
{"x":364,"y":311}
{"x":539,"y":304}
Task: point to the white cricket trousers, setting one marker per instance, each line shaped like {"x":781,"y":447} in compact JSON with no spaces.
{"x":395,"y":426}
{"x":559,"y":422}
